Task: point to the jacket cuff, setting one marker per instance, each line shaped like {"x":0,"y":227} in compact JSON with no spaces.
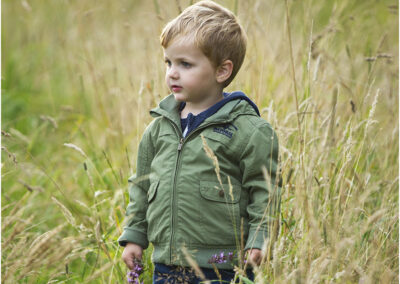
{"x":133,"y":236}
{"x":256,"y":239}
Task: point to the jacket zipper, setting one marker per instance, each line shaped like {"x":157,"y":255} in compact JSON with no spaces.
{"x":173,"y":199}
{"x":180,"y":145}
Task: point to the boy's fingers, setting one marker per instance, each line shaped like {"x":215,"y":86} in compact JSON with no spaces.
{"x":255,"y":257}
{"x":132,"y":254}
{"x":129,"y":262}
{"x":128,"y":259}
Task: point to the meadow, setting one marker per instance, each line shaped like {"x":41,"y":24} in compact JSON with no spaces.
{"x":79,"y":77}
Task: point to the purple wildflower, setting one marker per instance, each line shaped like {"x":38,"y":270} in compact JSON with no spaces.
{"x":133,"y":275}
{"x":221,"y":258}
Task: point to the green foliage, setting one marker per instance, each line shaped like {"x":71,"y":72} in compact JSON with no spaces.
{"x":78,"y":79}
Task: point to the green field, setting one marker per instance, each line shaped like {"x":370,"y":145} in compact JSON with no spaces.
{"x":79,"y":77}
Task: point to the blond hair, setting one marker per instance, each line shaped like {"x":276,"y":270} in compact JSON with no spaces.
{"x":214,"y":29}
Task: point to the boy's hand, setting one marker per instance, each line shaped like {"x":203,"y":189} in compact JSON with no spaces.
{"x":132,"y":252}
{"x":254,"y":256}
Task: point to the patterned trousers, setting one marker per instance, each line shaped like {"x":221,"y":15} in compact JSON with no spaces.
{"x":173,"y":274}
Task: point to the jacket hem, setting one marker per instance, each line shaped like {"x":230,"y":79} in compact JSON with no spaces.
{"x":203,"y":256}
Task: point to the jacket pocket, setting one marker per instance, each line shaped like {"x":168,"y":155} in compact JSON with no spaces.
{"x":151,"y":193}
{"x":219,"y":209}
{"x":214,"y":192}
{"x":153,"y":212}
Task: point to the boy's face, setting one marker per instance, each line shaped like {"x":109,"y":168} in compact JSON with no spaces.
{"x":189,"y":75}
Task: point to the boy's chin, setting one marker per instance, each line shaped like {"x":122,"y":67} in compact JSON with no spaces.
{"x":179,"y":97}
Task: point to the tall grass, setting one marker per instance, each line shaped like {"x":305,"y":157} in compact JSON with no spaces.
{"x":78,"y":79}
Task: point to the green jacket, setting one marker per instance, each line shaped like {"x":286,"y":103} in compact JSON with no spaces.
{"x":176,"y":198}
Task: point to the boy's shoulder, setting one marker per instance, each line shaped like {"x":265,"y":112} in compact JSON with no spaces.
{"x":255,"y":132}
{"x":250,"y":122}
{"x":153,"y":124}
{"x":152,"y":129}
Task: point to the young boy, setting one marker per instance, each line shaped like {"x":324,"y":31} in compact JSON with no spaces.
{"x":181,"y":200}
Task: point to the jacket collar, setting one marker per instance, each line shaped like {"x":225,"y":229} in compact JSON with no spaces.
{"x":169,"y":108}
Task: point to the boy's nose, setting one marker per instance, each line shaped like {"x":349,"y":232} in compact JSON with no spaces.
{"x":172,"y":73}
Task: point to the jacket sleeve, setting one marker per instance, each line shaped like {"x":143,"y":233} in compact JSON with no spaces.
{"x":261,"y":152}
{"x":136,"y":229}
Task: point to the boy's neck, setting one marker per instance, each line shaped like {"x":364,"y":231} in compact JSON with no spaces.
{"x":197,"y":107}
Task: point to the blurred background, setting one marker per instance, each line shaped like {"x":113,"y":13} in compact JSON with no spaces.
{"x":78,"y":80}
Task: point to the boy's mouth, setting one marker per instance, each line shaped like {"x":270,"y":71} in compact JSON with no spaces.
{"x":176,"y":88}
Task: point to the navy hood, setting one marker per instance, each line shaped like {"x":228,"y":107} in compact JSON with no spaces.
{"x":193,"y":121}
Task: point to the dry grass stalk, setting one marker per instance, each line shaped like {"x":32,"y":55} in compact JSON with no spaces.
{"x":194,"y":265}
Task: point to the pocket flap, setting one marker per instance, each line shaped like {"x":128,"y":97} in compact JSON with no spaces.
{"x":166,"y":131}
{"x":213,"y":191}
{"x":151,"y":193}
{"x":218,"y":133}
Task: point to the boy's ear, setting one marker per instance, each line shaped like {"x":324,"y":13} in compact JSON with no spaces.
{"x":224,"y":71}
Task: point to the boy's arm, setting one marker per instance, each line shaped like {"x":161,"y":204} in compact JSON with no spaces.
{"x":264,"y":197}
{"x":136,"y":229}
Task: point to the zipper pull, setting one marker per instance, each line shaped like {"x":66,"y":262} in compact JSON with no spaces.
{"x":180,"y":144}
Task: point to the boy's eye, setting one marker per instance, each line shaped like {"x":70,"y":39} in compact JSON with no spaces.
{"x":186,"y":64}
{"x":168,"y":62}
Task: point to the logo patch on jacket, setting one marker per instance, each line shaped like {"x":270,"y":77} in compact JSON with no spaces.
{"x":226,"y":130}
